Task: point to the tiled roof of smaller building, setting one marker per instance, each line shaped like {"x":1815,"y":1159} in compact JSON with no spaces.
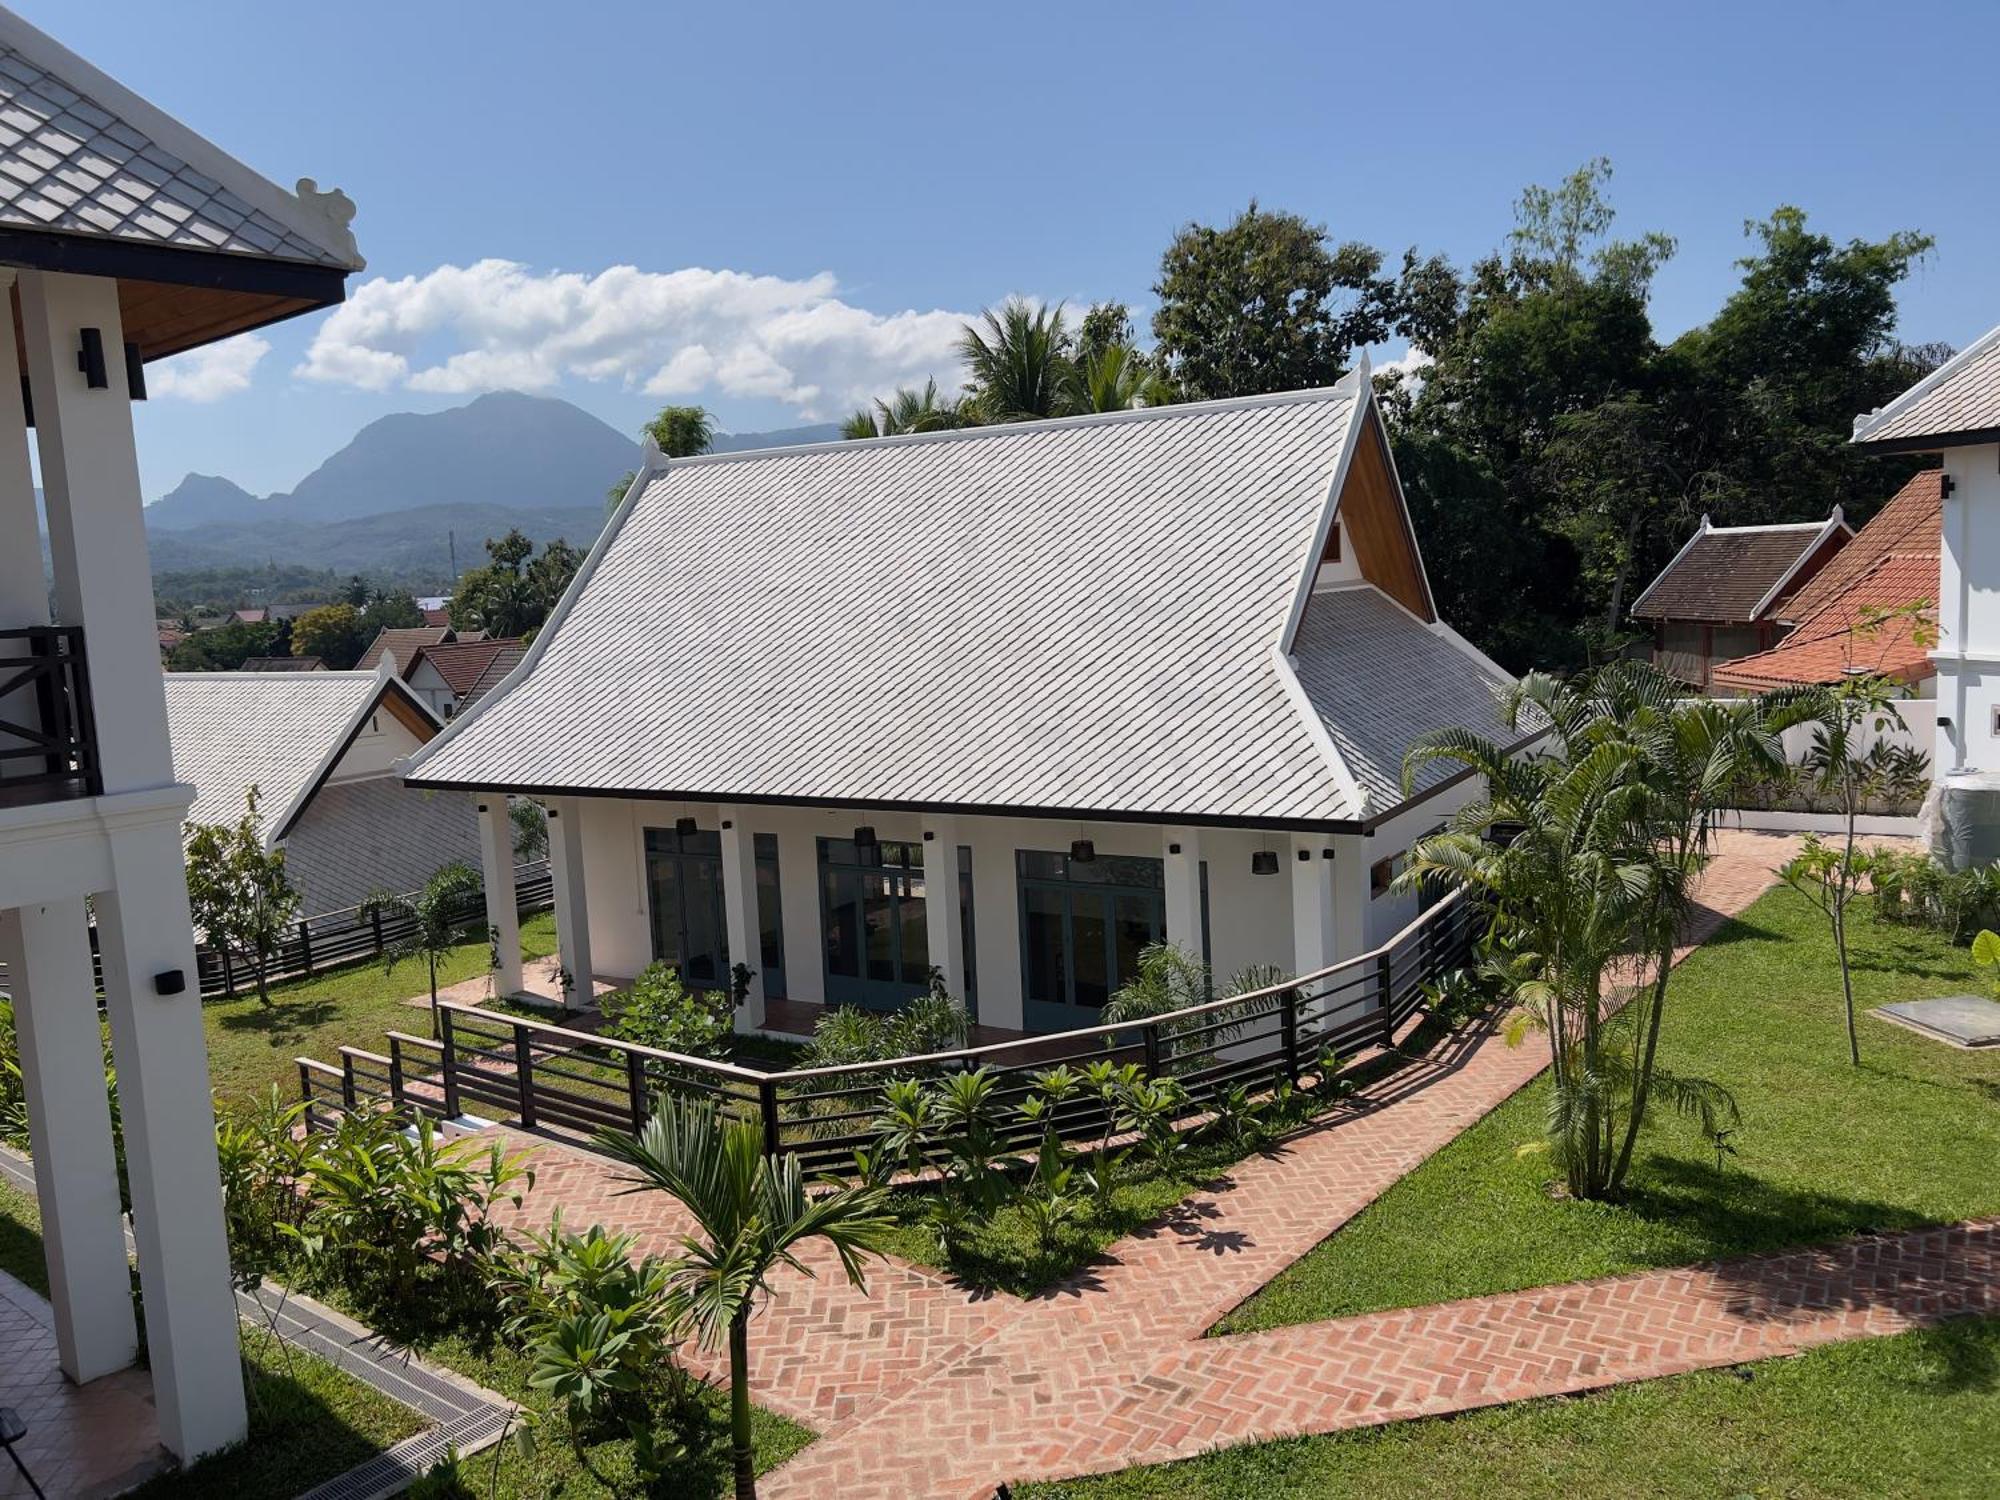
{"x":1957,"y":402}
{"x":1910,"y":524}
{"x":283,"y":664}
{"x":470,"y":667}
{"x":403,"y":645}
{"x":233,"y":730}
{"x":1840,"y":639}
{"x":1725,"y":573}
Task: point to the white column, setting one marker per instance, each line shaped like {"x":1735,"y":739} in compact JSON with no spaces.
{"x":996,"y":927}
{"x":572,"y":907}
{"x":24,"y":598}
{"x":47,"y":953}
{"x":944,"y":926}
{"x":798,"y":913}
{"x":1313,"y":939}
{"x":739,"y":913}
{"x":1180,"y":851}
{"x":90,"y":480}
{"x":163,"y":1100}
{"x":496,"y":869}
{"x":1353,"y":853}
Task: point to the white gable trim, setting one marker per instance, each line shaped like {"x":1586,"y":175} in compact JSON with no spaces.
{"x":278,"y":827}
{"x":303,"y":215}
{"x":1351,"y":790}
{"x":1356,"y":385}
{"x":1869,"y":421}
{"x":1835,"y":521}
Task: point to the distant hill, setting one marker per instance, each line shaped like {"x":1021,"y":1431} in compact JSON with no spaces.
{"x":389,"y":502}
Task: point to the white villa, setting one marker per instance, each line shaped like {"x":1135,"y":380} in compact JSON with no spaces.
{"x":124,"y":237}
{"x":1955,"y":412}
{"x":322,"y":748}
{"x":1008,"y":703}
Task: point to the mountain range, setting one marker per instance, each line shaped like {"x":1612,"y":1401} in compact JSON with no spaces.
{"x":396,"y":496}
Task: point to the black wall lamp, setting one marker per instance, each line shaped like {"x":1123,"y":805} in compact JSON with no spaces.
{"x":90,"y":360}
{"x":135,"y":373}
{"x":169,"y":982}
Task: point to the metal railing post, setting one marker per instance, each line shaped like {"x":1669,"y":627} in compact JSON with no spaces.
{"x":396,"y":1072}
{"x":1385,"y":981}
{"x":306,"y":1094}
{"x":1288,"y":1026}
{"x":347,"y":1094}
{"x":449,"y":1061}
{"x":635,"y":1089}
{"x":524,"y":1073}
{"x":306,"y":945}
{"x":375,"y":921}
{"x":1149,"y":1040}
{"x":767,"y":1106}
{"x":228,"y":974}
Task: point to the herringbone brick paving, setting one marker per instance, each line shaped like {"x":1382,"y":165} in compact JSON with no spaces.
{"x":923,"y":1388}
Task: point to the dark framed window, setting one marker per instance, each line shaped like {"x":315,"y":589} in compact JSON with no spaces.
{"x":872,"y":915}
{"x":685,"y":902}
{"x":1083,"y":925}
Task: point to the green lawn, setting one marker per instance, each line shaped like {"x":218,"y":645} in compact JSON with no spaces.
{"x":1913,"y":1415}
{"x":308,"y":1421}
{"x":251,"y":1047}
{"x":1825,"y":1150}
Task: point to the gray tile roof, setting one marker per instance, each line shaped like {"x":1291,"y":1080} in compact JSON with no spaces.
{"x":232,"y":730}
{"x":79,"y":154}
{"x":1959,"y":398}
{"x":1724,"y":573}
{"x":1070,"y":615}
{"x":1379,"y":678}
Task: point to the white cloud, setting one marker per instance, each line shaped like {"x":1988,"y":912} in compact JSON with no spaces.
{"x":673,"y":334}
{"x":210,"y":372}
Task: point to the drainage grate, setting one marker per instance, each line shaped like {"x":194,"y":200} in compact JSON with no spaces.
{"x":392,"y":1472}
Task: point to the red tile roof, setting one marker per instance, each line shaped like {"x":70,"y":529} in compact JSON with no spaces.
{"x":1911,"y":525}
{"x":437,"y":619}
{"x":469,"y":668}
{"x":1839,"y":638}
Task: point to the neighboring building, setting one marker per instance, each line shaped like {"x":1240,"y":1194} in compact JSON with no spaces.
{"x":1727,"y":591}
{"x":1888,"y":574}
{"x":283,"y":664}
{"x":453,"y":675}
{"x":251,"y":616}
{"x":321,"y":747}
{"x":124,"y":238}
{"x":1072,"y":686}
{"x":436,"y":617}
{"x":1955,"y":411}
{"x":404,"y":644}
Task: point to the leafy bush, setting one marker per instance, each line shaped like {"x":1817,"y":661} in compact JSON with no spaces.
{"x":658,"y":1011}
{"x":933,"y":1022}
{"x":1914,"y":888}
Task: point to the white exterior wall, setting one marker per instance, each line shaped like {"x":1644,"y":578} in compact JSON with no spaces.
{"x":1250,"y":920}
{"x":1968,"y":648}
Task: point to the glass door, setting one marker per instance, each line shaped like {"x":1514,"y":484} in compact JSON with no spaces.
{"x":684,"y":900}
{"x":872,"y":915}
{"x":1083,"y":924}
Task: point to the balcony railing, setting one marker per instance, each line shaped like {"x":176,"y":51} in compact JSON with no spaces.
{"x":48,"y":745}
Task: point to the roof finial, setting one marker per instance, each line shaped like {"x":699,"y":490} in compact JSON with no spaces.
{"x":335,"y":211}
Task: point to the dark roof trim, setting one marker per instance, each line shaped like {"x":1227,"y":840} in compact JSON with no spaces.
{"x":390,"y":685}
{"x":84,"y":255}
{"x":1973,"y":438}
{"x":1366,"y":825}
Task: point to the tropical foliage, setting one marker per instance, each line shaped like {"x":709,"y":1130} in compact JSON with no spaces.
{"x":436,"y":916}
{"x":239,"y":895}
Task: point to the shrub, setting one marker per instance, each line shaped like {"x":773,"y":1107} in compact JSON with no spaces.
{"x":932,"y":1022}
{"x":658,"y":1011}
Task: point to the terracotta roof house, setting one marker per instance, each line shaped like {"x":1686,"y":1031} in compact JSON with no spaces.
{"x":1009,"y":703}
{"x":322,"y":748}
{"x":437,"y":618}
{"x":1728,"y":591}
{"x":451,"y":676}
{"x":401,"y":644}
{"x":1891,"y":564}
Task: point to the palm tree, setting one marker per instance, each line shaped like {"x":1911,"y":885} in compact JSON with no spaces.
{"x":1020,"y":363}
{"x":910,"y":411}
{"x":436,"y":915}
{"x":682,"y":431}
{"x":1606,"y":830}
{"x":753,"y":1213}
{"x":1118,"y":378}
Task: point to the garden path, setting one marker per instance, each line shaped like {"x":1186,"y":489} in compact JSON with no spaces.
{"x":921,"y":1387}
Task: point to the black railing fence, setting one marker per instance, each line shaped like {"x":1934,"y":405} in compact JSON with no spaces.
{"x":543,"y":1075}
{"x":48,"y":746}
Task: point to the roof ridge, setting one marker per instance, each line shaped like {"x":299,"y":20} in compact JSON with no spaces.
{"x":1867,"y":421}
{"x":1342,"y":390}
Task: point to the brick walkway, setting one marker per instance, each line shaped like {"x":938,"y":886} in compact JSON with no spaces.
{"x":921,"y":1388}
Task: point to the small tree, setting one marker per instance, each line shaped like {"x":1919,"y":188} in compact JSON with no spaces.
{"x":238,"y":892}
{"x":751,"y":1213}
{"x":435,"y":921}
{"x":682,"y":431}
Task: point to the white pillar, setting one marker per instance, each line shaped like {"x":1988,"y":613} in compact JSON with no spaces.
{"x":798,"y":912}
{"x":97,"y":537}
{"x":572,"y":906}
{"x":169,"y":1125}
{"x":996,"y":926}
{"x":1353,"y":853}
{"x":1181,"y":854}
{"x":1313,"y":939}
{"x":496,"y":869}
{"x":944,"y":926}
{"x":24,"y":598}
{"x":739,"y":913}
{"x":47,"y":953}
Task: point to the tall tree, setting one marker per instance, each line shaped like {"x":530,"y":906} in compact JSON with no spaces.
{"x":333,"y":633}
{"x":682,"y":431}
{"x":239,"y":894}
{"x":1263,"y":304}
{"x":514,"y":592}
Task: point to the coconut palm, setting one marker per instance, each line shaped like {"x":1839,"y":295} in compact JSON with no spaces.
{"x":1019,"y":363}
{"x":1604,"y":832}
{"x":752,"y":1214}
{"x":1117,"y":378}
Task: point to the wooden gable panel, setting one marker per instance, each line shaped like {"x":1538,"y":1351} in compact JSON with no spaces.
{"x":1378,"y":530}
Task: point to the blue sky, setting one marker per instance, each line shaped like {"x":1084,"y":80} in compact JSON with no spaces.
{"x":807,"y":194}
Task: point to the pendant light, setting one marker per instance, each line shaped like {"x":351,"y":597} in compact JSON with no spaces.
{"x":1264,"y":861}
{"x":685,"y":827}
